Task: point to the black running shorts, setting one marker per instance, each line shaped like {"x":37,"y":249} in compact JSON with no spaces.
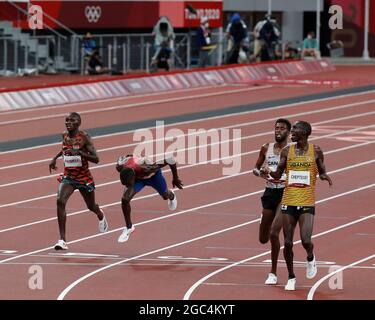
{"x":271,"y":198}
{"x":297,"y":210}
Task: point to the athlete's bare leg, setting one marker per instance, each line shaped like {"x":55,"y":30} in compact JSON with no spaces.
{"x":306,"y":222}
{"x":126,"y":211}
{"x":63,"y":194}
{"x":265,"y":225}
{"x":289,"y":225}
{"x":89,"y":198}
{"x":274,"y":237}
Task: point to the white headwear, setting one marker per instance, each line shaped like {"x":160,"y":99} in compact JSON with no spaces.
{"x":204,"y":20}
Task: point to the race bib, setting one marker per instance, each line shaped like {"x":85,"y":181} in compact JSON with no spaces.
{"x":299,"y":178}
{"x":73,"y":161}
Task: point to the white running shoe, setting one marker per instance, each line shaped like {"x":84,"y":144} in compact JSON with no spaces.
{"x":103,"y":225}
{"x":172,"y":204}
{"x":61,"y":245}
{"x":311,"y":269}
{"x":272,"y":279}
{"x":126,"y":234}
{"x":291,"y":285}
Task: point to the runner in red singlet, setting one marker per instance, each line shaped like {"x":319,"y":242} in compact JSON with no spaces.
{"x":77,"y":151}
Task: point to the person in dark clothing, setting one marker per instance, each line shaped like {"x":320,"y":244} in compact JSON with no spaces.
{"x":204,"y":42}
{"x":238,"y":38}
{"x":270,"y":35}
{"x":95,"y":64}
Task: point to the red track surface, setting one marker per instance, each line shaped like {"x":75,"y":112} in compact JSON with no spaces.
{"x":170,"y":252}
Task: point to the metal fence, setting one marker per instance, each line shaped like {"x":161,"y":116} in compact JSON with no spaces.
{"x":119,"y":52}
{"x":122,"y":53}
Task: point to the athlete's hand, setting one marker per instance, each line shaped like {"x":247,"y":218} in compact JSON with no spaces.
{"x":264,"y":172}
{"x":176,"y":182}
{"x":52,"y":165}
{"x":326,"y":177}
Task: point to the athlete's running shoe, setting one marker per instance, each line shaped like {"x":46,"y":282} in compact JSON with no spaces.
{"x":172,"y":204}
{"x":126,"y":234}
{"x":311,"y":269}
{"x":103,"y":225}
{"x":272,"y":279}
{"x":61,"y":245}
{"x":291,"y":285}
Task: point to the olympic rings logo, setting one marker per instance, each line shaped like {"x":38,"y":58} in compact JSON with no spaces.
{"x":93,"y":13}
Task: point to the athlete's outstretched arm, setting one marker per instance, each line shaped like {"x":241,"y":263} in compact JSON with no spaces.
{"x":282,"y":164}
{"x":261,"y":159}
{"x":319,"y":158}
{"x":52,"y":164}
{"x":176,"y":182}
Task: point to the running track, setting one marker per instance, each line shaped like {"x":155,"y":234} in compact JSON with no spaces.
{"x":208,"y":248}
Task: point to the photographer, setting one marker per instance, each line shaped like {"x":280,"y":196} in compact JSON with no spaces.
{"x":238,"y":40}
{"x":163,"y":44}
{"x":269,"y":34}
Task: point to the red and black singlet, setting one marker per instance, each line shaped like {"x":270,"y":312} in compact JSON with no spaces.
{"x":136,"y":164}
{"x":76,"y":167}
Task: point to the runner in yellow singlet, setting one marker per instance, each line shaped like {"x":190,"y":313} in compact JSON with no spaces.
{"x":301,"y":162}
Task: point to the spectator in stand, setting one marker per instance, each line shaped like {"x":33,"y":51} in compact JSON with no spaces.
{"x":266,"y":34}
{"x":89,"y":46}
{"x":204,"y":42}
{"x":310,"y":47}
{"x":163,"y":43}
{"x":95,"y":64}
{"x":238,"y":40}
{"x":291,"y":52}
{"x":269,"y":34}
{"x":258,"y":43}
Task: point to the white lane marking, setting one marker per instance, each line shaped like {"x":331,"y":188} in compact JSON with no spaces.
{"x":236,"y":125}
{"x":210,"y":118}
{"x":181,"y":258}
{"x":335,"y":133}
{"x":311,"y":293}
{"x":140,"y":223}
{"x":109,"y":100}
{"x":132,"y":105}
{"x":135,"y":199}
{"x":8,"y":251}
{"x":82,"y":254}
{"x":78,"y":281}
{"x":176,"y":214}
{"x":192,"y":185}
{"x":200,"y":281}
{"x":302,"y":262}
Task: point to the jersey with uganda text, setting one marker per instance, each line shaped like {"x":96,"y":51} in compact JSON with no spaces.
{"x":301,"y":172}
